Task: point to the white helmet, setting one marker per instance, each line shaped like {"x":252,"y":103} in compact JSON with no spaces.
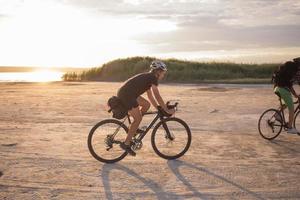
{"x":157,"y":64}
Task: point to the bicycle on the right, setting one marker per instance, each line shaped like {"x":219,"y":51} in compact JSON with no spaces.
{"x":272,"y":121}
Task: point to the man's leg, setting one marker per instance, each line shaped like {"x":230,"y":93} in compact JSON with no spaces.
{"x":283,"y":107}
{"x":290,"y":104}
{"x":291,"y":115}
{"x":144,"y":104}
{"x":137,"y":118}
{"x":288,"y":101}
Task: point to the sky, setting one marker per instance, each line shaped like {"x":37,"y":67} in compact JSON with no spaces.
{"x":85,"y":33}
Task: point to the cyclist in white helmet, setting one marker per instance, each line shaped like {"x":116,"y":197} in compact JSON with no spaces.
{"x":130,"y":96}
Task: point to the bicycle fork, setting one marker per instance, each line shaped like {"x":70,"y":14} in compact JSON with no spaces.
{"x":168,"y":133}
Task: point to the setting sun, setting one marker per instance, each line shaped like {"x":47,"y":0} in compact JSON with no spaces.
{"x":44,"y":76}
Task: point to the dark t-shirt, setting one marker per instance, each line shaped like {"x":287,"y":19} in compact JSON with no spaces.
{"x":137,"y":85}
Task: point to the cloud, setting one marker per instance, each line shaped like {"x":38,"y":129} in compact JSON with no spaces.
{"x":9,"y":7}
{"x":144,"y":8}
{"x":215,"y":38}
{"x":2,"y":16}
{"x":229,"y":12}
{"x":210,"y":24}
{"x":260,"y":13}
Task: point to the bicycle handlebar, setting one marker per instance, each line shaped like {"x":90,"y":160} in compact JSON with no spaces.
{"x":169,"y":106}
{"x":162,"y":111}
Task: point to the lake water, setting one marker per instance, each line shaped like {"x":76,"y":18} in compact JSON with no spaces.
{"x":35,"y":76}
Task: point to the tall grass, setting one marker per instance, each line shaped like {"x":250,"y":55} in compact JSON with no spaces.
{"x":178,"y":71}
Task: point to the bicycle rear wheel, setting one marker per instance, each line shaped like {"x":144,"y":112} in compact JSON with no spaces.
{"x":171,"y":138}
{"x":104,"y":141}
{"x":270,"y":124}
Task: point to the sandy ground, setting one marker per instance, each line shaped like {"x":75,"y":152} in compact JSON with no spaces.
{"x":44,"y":155}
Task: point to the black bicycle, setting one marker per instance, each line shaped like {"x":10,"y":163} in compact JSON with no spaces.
{"x":272,"y":121}
{"x":171,"y":137}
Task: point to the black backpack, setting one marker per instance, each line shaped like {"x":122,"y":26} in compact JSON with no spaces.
{"x":116,"y":107}
{"x":284,"y":73}
{"x":275,"y":77}
{"x":278,"y":75}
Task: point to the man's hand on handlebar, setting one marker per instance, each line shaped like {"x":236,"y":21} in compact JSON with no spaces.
{"x":169,"y":109}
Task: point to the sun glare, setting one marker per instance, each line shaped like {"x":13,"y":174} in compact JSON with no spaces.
{"x":34,"y":76}
{"x":44,"y":76}
{"x":45,"y":33}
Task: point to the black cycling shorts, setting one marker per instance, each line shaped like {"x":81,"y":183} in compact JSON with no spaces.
{"x":128,"y":102}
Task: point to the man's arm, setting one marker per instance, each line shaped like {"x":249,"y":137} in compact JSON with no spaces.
{"x":158,"y":97}
{"x":151,"y":98}
{"x":161,"y":101}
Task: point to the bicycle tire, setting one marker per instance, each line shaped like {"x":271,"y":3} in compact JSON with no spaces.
{"x":155,"y":132}
{"x":279,"y":124}
{"x":90,"y":137}
{"x":297,"y":121}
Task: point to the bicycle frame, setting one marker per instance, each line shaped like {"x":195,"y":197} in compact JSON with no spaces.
{"x":157,"y":117}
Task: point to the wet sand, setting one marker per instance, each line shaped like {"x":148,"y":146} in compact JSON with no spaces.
{"x":44,"y":155}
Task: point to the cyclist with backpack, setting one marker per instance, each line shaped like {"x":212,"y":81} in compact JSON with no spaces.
{"x":284,"y":78}
{"x":130,"y":97}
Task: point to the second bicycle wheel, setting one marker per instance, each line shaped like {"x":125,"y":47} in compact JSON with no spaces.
{"x":297,"y":121}
{"x":171,"y":138}
{"x":270,"y":124}
{"x":104,"y":140}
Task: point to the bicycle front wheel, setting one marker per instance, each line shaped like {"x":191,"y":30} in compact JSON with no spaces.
{"x":104,"y":141}
{"x":171,"y":138}
{"x":297,"y":120}
{"x":270,"y":124}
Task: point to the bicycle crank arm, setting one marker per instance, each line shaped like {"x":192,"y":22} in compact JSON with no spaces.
{"x":107,"y":149}
{"x":117,"y":142}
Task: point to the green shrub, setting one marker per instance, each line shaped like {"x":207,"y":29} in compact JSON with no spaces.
{"x":178,"y":71}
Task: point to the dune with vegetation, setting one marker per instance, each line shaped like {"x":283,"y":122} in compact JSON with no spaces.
{"x":179,"y":71}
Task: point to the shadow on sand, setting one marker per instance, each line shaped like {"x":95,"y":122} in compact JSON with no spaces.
{"x":287,"y":145}
{"x":176,"y":164}
{"x":158,"y":189}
